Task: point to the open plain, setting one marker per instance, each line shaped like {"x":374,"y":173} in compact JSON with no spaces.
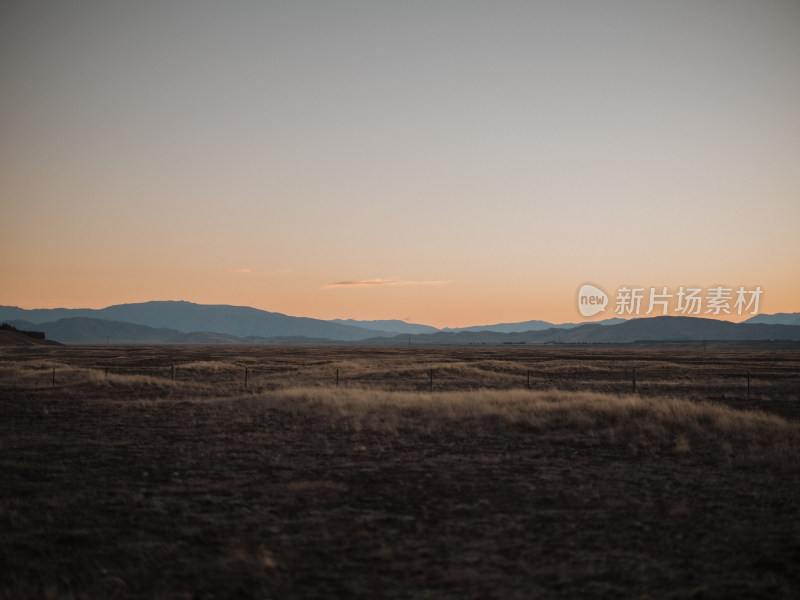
{"x":464,"y":472}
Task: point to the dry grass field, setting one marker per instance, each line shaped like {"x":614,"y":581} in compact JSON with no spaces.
{"x":472,"y":472}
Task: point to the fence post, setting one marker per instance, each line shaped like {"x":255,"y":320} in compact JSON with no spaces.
{"x":634,"y":380}
{"x":431,"y":379}
{"x":245,"y":378}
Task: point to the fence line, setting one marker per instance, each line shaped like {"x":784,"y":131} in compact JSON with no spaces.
{"x":594,"y":378}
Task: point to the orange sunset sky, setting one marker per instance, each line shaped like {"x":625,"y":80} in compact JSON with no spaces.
{"x":467,"y":162}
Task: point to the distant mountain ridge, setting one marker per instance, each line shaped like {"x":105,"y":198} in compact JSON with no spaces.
{"x":225,"y":320}
{"x":776,"y":319}
{"x":663,"y":329}
{"x":391,"y":325}
{"x":179,"y":322}
{"x":188,"y":317}
{"x":84,"y":330}
{"x":529,"y":326}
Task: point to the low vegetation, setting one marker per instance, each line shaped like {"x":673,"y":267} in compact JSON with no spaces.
{"x":639,"y":424}
{"x":133,"y":473}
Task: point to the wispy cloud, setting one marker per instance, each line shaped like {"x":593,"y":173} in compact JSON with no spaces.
{"x":385,"y":282}
{"x":238,"y":271}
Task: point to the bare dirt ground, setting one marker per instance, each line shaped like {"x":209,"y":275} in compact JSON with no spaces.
{"x":139,"y":472}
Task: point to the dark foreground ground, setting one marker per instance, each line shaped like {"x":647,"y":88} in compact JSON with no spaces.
{"x":138,"y":485}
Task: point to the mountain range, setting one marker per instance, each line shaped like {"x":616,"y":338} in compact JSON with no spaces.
{"x":187,"y":317}
{"x":527,"y":326}
{"x":180,"y":322}
{"x":393,"y":326}
{"x":776,"y":319}
{"x":657,"y":329}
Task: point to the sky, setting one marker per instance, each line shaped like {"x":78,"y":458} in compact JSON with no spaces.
{"x":448,"y":162}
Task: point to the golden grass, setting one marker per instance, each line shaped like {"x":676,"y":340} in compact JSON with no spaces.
{"x":639,"y":424}
{"x":561,"y":489}
{"x":365,"y":402}
{"x":210,"y":366}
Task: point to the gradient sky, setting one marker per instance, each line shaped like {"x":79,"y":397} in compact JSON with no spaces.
{"x":487,"y":158}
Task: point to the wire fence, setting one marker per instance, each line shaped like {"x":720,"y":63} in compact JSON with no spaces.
{"x":724,"y":382}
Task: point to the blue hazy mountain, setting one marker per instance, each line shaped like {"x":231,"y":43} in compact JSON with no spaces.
{"x":240,"y":322}
{"x":85,"y":330}
{"x":776,"y":319}
{"x":391,"y":325}
{"x":187,"y":317}
{"x":656,"y":329}
{"x":186,"y":322}
{"x":527,"y":326}
{"x":679,"y":329}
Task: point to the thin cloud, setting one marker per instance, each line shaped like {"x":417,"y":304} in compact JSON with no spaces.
{"x":385,"y":282}
{"x":238,"y":271}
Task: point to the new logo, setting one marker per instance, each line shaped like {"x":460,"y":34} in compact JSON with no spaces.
{"x":591,"y":300}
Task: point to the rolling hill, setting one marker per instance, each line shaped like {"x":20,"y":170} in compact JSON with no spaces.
{"x":16,"y":338}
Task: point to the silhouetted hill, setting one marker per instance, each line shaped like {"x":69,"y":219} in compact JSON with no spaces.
{"x":39,"y":335}
{"x":17,"y":338}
